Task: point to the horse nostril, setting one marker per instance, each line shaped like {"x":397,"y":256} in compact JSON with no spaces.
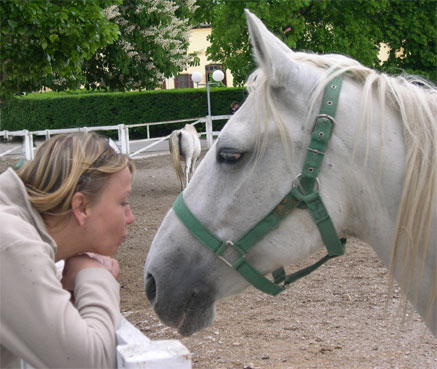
{"x":150,"y":287}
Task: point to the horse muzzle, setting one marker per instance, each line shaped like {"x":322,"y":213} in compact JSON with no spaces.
{"x":186,"y":309}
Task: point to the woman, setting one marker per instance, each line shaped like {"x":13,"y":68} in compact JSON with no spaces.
{"x":72,"y":199}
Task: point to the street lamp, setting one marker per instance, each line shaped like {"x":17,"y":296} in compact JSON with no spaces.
{"x":217,"y":76}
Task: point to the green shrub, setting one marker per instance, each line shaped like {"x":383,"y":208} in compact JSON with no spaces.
{"x":80,"y":109}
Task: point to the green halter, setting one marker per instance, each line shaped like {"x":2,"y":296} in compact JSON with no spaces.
{"x":304,"y":194}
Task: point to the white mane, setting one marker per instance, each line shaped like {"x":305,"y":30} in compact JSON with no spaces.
{"x":416,"y":101}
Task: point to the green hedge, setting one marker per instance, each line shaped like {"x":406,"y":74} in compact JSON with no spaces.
{"x":68,"y":110}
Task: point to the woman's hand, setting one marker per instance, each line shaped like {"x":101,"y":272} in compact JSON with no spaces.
{"x":109,"y":263}
{"x":75,"y":264}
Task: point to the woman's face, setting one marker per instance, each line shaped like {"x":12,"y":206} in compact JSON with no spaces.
{"x":110,"y":214}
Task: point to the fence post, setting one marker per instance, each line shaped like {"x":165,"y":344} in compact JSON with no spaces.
{"x":123,"y":138}
{"x":208,"y":127}
{"x":28,"y":145}
{"x":136,"y":351}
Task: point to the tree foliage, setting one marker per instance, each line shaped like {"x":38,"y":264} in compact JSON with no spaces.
{"x":409,"y":28}
{"x":354,"y":28}
{"x":153,"y":43}
{"x":45,"y":38}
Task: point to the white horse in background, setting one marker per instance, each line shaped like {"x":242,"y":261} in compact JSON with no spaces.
{"x":378,"y":182}
{"x":184,"y":146}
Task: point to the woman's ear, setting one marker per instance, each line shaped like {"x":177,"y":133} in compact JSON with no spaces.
{"x":79,"y":207}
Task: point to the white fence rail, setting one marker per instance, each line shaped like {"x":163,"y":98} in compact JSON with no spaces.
{"x":135,"y":350}
{"x":124,"y":142}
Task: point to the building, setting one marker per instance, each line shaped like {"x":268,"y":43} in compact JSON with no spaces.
{"x":198,"y":44}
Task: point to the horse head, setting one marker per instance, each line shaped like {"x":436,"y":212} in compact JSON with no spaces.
{"x":249,"y":170}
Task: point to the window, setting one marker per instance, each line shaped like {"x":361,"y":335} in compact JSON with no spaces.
{"x":209,"y":70}
{"x":183,"y":81}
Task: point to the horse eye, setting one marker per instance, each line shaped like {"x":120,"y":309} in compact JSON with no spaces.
{"x":228,"y":157}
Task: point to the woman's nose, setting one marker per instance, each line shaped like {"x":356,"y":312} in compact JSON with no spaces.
{"x":129,"y":215}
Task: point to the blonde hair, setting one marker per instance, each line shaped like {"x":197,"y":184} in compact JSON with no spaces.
{"x":67,"y":164}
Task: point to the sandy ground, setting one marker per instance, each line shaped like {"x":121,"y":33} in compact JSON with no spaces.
{"x":334,"y":318}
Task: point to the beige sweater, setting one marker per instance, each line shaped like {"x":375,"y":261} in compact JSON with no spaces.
{"x":38,"y":323}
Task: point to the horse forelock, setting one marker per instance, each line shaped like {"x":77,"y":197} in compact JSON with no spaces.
{"x":415,"y":100}
{"x":266,"y":111}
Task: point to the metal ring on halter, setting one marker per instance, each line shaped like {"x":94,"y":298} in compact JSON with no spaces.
{"x":297,"y":183}
{"x":325,"y":116}
{"x":230,"y":245}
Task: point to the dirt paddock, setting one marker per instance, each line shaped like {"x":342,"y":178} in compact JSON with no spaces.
{"x":334,"y":318}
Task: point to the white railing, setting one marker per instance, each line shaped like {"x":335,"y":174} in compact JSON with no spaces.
{"x":135,"y":350}
{"x":123,"y":135}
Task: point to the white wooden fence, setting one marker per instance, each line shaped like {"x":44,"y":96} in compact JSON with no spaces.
{"x":124,"y":143}
{"x":135,"y":350}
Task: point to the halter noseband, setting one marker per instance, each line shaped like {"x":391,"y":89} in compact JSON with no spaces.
{"x":303,"y":194}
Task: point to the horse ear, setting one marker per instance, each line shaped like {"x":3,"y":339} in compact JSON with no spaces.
{"x":270,"y":53}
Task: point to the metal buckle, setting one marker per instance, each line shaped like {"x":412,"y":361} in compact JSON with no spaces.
{"x":240,"y":252}
{"x":325,"y":116}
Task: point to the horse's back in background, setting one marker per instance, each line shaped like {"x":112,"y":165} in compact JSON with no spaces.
{"x":184,"y":145}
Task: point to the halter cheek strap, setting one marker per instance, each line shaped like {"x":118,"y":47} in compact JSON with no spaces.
{"x":304,"y":194}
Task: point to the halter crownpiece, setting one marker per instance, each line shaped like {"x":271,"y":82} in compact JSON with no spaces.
{"x":304,"y":194}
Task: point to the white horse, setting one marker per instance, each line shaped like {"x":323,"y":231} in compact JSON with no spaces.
{"x":377,"y":181}
{"x":184,"y":146}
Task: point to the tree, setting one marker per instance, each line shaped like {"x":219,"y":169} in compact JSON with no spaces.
{"x":410,"y":30}
{"x":153,"y":43}
{"x":45,"y":38}
{"x":354,"y":28}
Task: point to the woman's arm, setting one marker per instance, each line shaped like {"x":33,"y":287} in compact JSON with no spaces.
{"x":41,"y":325}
